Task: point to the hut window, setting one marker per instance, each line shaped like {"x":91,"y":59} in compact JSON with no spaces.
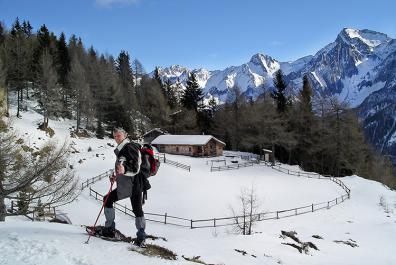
{"x":189,"y":149}
{"x":177,"y":149}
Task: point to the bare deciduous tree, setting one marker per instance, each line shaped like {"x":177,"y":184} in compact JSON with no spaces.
{"x":43,"y":175}
{"x":248,"y":213}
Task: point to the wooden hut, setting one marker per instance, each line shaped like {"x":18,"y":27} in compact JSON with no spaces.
{"x":191,"y":145}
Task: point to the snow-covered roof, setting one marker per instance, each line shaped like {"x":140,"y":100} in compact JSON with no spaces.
{"x":155,"y":129}
{"x":185,"y":139}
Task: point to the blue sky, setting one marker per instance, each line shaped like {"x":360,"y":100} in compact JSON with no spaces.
{"x":212,"y":34}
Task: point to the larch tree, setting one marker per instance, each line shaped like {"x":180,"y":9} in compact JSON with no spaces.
{"x":80,"y":89}
{"x":50,"y":98}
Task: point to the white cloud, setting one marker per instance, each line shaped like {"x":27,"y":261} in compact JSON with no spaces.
{"x":115,"y":2}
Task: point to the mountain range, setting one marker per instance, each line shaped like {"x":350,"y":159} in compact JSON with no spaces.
{"x":359,"y":68}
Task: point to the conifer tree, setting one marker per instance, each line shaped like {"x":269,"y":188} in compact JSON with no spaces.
{"x":27,"y":28}
{"x":157,"y":75}
{"x":124,"y":70}
{"x":279,"y":95}
{"x":63,"y":60}
{"x":2,"y":33}
{"x":170,"y":94}
{"x":193,"y":94}
{"x":17,"y":61}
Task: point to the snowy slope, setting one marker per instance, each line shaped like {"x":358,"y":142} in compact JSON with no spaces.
{"x":204,"y":194}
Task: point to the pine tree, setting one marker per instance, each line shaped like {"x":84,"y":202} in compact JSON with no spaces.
{"x":2,"y":33}
{"x":279,"y":95}
{"x":63,"y":60}
{"x":27,"y":28}
{"x":17,"y":54}
{"x":193,"y":94}
{"x":124,"y":70}
{"x":170,"y":94}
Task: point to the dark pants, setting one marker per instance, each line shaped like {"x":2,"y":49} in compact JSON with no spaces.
{"x":136,"y":201}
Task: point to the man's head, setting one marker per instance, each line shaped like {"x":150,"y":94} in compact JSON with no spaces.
{"x":119,"y":135}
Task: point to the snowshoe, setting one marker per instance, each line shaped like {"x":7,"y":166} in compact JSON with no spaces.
{"x":107,"y":233}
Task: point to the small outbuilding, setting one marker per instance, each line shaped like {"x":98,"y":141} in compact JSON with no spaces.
{"x":192,"y":145}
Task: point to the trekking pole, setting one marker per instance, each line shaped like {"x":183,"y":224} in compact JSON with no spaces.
{"x":101,"y":209}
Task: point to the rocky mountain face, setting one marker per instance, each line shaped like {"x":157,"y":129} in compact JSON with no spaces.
{"x":359,"y":67}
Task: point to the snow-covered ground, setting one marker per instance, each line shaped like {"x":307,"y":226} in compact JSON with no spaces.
{"x":201,"y":194}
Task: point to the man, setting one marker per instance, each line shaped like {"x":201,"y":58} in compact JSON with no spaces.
{"x":129,"y":179}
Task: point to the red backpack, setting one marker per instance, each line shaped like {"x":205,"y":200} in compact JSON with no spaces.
{"x":152,"y":163}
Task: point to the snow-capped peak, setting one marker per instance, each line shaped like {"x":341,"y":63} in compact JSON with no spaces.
{"x":174,"y":70}
{"x":268,"y":64}
{"x":368,"y":37}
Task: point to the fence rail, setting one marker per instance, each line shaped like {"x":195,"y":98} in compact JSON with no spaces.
{"x":312,"y":175}
{"x":232,"y":166}
{"x":153,"y":217}
{"x":90,"y":181}
{"x":32,"y":212}
{"x":162,"y":158}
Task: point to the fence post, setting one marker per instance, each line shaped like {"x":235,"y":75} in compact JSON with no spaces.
{"x":12,"y":206}
{"x":296,"y":211}
{"x":277,"y":215}
{"x":336,"y":201}
{"x":214,"y":222}
{"x":191,"y":224}
{"x":312,"y":207}
{"x":125,"y":208}
{"x":328,"y":205}
{"x":165,"y":217}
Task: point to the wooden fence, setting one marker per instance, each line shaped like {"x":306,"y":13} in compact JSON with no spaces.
{"x":90,"y":181}
{"x":312,"y":175}
{"x":232,"y":220}
{"x":232,"y":166}
{"x":153,"y":217}
{"x":162,"y":158}
{"x":33,"y":213}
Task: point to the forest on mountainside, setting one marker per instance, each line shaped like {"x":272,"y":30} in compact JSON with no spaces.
{"x":99,"y":92}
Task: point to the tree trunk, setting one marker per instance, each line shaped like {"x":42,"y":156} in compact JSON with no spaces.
{"x":8,"y":102}
{"x":78,"y":117}
{"x":3,"y":210}
{"x":18,"y":103}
